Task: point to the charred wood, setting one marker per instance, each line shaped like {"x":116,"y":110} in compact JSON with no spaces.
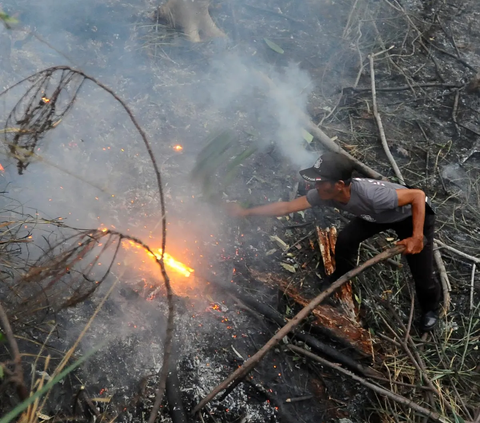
{"x":279,"y":319}
{"x":248,"y":366}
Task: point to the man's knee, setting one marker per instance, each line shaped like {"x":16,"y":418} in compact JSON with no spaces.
{"x":346,"y":243}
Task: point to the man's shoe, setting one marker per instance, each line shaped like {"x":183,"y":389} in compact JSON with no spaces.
{"x":429,"y":321}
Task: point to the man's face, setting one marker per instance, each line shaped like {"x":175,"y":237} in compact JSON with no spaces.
{"x":326,"y":190}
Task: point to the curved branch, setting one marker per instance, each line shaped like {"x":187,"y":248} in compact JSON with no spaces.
{"x":47,"y":73}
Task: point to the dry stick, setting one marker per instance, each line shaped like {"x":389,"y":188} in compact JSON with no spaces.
{"x":455,"y":110}
{"x":444,"y":280}
{"x":19,"y":382}
{"x":439,"y":243}
{"x":410,"y":318}
{"x":406,"y":87}
{"x":380,"y":124}
{"x":379,"y":390}
{"x":472,"y":285}
{"x":243,"y":370}
{"x":320,"y":135}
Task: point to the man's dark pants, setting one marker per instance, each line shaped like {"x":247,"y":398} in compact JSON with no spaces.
{"x":421,"y":264}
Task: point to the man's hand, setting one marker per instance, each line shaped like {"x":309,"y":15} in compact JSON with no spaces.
{"x":235,"y":210}
{"x":413,"y":245}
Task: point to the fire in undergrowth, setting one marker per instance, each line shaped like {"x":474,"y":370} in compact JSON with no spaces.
{"x":170,"y":261}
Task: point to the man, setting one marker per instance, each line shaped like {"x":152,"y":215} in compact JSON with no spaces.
{"x":378,"y":206}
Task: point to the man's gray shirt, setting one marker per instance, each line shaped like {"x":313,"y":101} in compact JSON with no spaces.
{"x":371,"y":200}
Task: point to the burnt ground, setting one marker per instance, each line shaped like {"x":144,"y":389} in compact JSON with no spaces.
{"x":432,"y":126}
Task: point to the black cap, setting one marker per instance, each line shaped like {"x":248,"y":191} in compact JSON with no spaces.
{"x":331,"y":167}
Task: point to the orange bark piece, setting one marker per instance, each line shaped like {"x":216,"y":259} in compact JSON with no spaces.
{"x":327,"y":316}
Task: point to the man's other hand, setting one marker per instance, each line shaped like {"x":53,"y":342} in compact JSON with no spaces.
{"x":413,"y":245}
{"x":235,"y":210}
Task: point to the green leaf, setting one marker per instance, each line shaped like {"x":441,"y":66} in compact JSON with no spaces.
{"x":7,"y":18}
{"x":286,"y":266}
{"x":274,"y":47}
{"x":283,"y":245}
{"x":458,"y":419}
{"x":2,"y":337}
{"x":1,"y":372}
{"x":307,"y":136}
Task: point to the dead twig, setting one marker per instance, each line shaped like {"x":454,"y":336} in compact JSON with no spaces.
{"x":472,"y":285}
{"x":378,"y":389}
{"x":17,"y":377}
{"x":379,"y":121}
{"x":444,"y":280}
{"x":404,"y":87}
{"x":441,"y":244}
{"x":255,"y":359}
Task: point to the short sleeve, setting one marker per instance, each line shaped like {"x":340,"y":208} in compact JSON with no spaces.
{"x":314,"y":199}
{"x":384,"y":199}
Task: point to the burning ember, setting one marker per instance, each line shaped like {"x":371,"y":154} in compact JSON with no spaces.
{"x":178,"y":147}
{"x":45,"y":100}
{"x":2,"y":169}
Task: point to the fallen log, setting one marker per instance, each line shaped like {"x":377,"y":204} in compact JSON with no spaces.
{"x":243,"y":370}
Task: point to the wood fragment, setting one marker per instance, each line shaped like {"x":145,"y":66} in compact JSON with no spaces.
{"x":326,"y":250}
{"x":326,"y":240}
{"x":327,"y":317}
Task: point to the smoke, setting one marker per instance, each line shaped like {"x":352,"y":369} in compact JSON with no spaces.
{"x":92,"y":169}
{"x":240,"y":84}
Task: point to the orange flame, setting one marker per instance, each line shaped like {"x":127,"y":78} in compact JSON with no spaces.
{"x":178,"y":147}
{"x":174,"y":264}
{"x":45,"y":100}
{"x":171,"y":262}
{"x":2,"y":169}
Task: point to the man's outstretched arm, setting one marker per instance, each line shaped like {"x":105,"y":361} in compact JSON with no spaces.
{"x":416,"y":198}
{"x":280,"y":208}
